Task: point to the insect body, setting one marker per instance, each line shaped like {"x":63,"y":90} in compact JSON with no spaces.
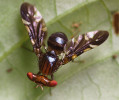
{"x":48,"y":63}
{"x":41,"y":80}
{"x":58,"y":45}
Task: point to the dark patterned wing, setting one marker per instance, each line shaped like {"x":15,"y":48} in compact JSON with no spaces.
{"x":35,"y":26}
{"x":82,"y":43}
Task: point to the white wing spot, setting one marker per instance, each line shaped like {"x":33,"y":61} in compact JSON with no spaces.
{"x":80,"y":38}
{"x":97,"y":40}
{"x":25,"y":22}
{"x":32,"y":41}
{"x":92,"y":46}
{"x":27,"y":28}
{"x":73,"y":40}
{"x":91,"y":34}
{"x":87,"y":49}
{"x":37,"y":16}
{"x":44,"y":29}
{"x":27,"y":15}
{"x":86,"y":38}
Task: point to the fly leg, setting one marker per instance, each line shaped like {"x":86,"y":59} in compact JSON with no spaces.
{"x":79,"y":61}
{"x":50,"y":89}
{"x":52,"y":77}
{"x":39,"y":73}
{"x":27,"y":49}
{"x":39,"y":85}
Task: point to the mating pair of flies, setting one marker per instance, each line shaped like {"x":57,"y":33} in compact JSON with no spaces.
{"x":59,"y":50}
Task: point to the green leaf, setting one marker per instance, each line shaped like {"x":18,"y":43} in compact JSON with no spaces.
{"x":94,"y":79}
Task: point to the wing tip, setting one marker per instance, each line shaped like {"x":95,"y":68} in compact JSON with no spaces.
{"x":101,"y":37}
{"x":105,"y":34}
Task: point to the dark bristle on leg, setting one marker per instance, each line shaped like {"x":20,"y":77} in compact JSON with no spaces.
{"x":27,"y":49}
{"x":39,"y":73}
{"x":52,"y":77}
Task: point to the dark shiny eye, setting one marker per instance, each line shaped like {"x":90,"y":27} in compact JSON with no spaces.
{"x":57,"y":41}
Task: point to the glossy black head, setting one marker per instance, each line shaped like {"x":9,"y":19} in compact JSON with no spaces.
{"x":57,"y":41}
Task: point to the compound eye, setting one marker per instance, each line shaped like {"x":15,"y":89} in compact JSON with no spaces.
{"x":57,"y":41}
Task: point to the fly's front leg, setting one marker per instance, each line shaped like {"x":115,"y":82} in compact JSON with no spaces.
{"x":45,"y":48}
{"x":39,"y":73}
{"x":39,"y":85}
{"x":27,"y":49}
{"x":78,"y":61}
{"x":52,"y":77}
{"x":50,"y":89}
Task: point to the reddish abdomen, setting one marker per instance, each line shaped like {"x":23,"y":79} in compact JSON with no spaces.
{"x":48,"y":64}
